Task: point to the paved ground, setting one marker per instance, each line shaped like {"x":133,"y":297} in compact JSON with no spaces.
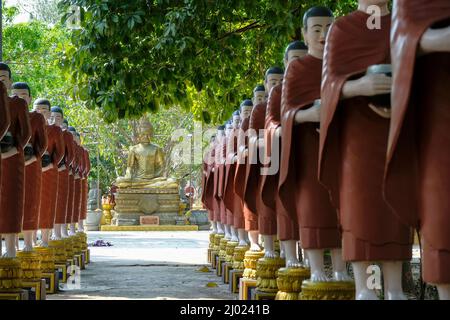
{"x":148,"y":265}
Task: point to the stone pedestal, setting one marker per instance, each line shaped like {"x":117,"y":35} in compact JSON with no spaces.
{"x":132,"y":204}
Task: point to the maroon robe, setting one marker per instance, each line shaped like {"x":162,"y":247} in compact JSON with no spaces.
{"x":315,"y":215}
{"x":241,"y":168}
{"x":208,"y":188}
{"x":220,"y":177}
{"x":63,"y":178}
{"x":72,"y":183}
{"x":4,"y":118}
{"x":231,"y":200}
{"x":78,"y":186}
{"x":51,"y":184}
{"x":13,"y":169}
{"x":265,"y":215}
{"x":33,"y":172}
{"x":353,"y":144}
{"x":417,"y":180}
{"x":269,"y":181}
{"x":85,"y":186}
{"x":226,"y":214}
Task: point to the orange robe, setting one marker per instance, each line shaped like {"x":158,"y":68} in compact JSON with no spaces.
{"x":4,"y":120}
{"x":63,"y":178}
{"x":231,"y":199}
{"x":50,"y":181}
{"x":418,"y":161}
{"x":241,"y":170}
{"x":268,"y":188}
{"x":315,"y":216}
{"x":208,"y":183}
{"x":78,"y":186}
{"x":76,"y":166}
{"x":13,"y":169}
{"x":33,"y":173}
{"x":85,"y":186}
{"x":354,"y":142}
{"x":71,"y":180}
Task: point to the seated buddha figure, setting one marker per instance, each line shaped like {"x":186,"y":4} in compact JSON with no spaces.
{"x":145,"y":163}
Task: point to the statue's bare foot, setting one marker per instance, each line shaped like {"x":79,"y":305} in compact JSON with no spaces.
{"x":341,"y":276}
{"x":255,"y":247}
{"x":234,"y":239}
{"x":294,"y":264}
{"x":43,"y":244}
{"x":319,"y":276}
{"x":282,"y":254}
{"x":27,"y":249}
{"x":367,"y":294}
{"x":396,"y":296}
{"x":269,"y":254}
{"x":243,"y":243}
{"x":9,"y":255}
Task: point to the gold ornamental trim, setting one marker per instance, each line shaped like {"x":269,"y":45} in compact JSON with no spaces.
{"x":10,"y":274}
{"x":47,"y":259}
{"x":290,"y":279}
{"x":332,"y":290}
{"x":250,"y":262}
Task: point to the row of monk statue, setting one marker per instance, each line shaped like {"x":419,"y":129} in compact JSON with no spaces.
{"x":344,"y":151}
{"x":43,"y":170}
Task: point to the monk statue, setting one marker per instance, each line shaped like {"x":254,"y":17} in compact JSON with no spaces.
{"x":145,"y":163}
{"x":265,"y":217}
{"x":353,"y":142}
{"x":417,"y":172}
{"x":33,"y":167}
{"x":12,"y":202}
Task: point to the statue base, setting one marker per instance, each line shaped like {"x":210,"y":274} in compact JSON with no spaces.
{"x":250,"y":263}
{"x":332,"y":290}
{"x":266,"y":274}
{"x":30,"y":263}
{"x":10,"y":275}
{"x":290,"y":281}
{"x":132,"y":204}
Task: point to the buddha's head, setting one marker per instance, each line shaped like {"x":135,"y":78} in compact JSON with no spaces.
{"x":295,"y":50}
{"x":145,"y":134}
{"x":43,"y":107}
{"x":5,"y":75}
{"x":274,"y":77}
{"x":21,"y":90}
{"x":236,"y":119}
{"x":246,"y":109}
{"x":316,"y":23}
{"x":56,"y":116}
{"x":259,"y":94}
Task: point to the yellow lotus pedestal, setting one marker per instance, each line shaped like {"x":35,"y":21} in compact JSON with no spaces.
{"x":229,"y":253}
{"x":11,"y":280}
{"x":84,"y":246}
{"x":48,"y":268}
{"x":250,"y":263}
{"x":61,"y":265}
{"x":266,"y":275}
{"x":59,"y":249}
{"x":222,"y":256}
{"x":238,"y":257}
{"x":30,"y":262}
{"x":216,"y":249}
{"x":210,"y":246}
{"x":332,"y":290}
{"x":290,"y":281}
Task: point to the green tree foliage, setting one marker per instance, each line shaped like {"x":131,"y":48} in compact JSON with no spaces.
{"x":131,"y":57}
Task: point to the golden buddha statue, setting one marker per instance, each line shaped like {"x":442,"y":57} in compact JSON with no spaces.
{"x":145,"y":163}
